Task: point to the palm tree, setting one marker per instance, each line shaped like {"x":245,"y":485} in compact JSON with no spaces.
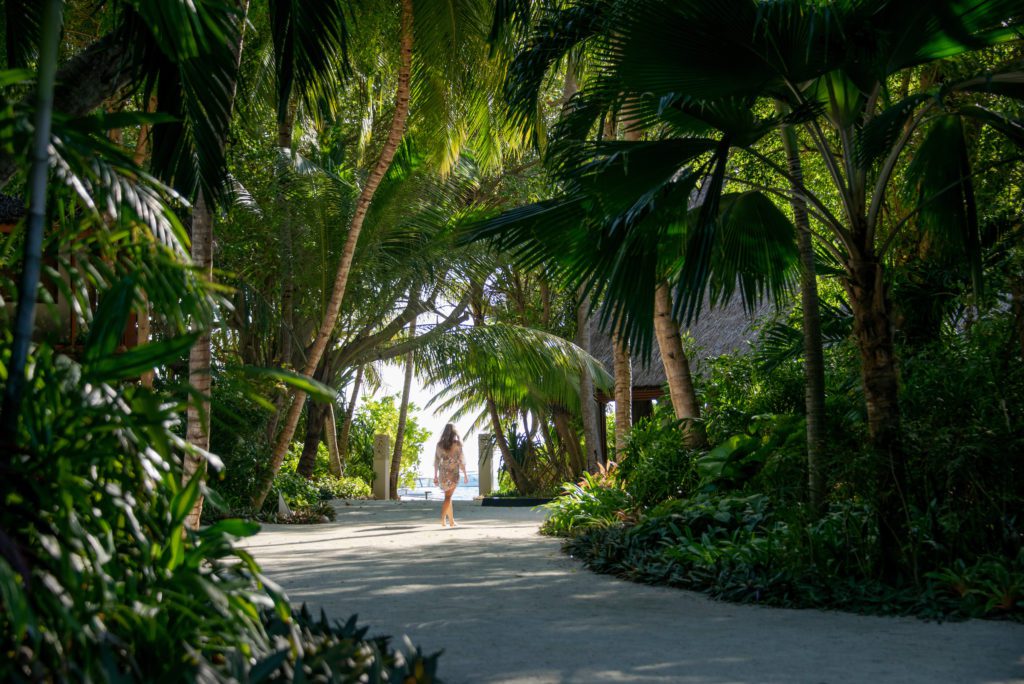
{"x":28,"y":285}
{"x":395,"y":132}
{"x":403,"y":413}
{"x":697,"y":73}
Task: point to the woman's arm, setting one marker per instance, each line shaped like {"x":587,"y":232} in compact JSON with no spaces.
{"x":462,"y":464}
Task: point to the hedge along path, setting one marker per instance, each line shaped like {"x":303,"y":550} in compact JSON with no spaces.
{"x":506,"y":605}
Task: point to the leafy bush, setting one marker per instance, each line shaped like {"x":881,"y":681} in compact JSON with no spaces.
{"x":332,"y":487}
{"x":597,"y":501}
{"x":99,"y":576}
{"x":739,"y":549}
{"x":380,"y":416}
{"x":657,"y":465}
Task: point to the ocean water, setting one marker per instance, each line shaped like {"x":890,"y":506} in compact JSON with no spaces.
{"x":426,"y":491}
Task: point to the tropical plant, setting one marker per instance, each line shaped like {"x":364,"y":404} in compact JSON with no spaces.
{"x":595,"y":502}
{"x":835,"y":70}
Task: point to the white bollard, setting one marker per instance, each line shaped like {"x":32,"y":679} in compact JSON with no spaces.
{"x":381,"y":466}
{"x":485,"y":451}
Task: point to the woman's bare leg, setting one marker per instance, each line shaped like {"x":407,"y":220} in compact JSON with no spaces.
{"x":451,"y":507}
{"x":446,"y":507}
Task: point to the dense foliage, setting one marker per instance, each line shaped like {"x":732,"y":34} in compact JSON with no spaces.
{"x":733,"y":520}
{"x":100,"y":577}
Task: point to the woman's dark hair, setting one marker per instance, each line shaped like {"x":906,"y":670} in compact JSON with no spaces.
{"x":449,"y":437}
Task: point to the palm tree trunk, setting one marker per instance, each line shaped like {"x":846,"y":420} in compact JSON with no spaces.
{"x":24,"y":322}
{"x":515,"y":471}
{"x":677,"y":368}
{"x":395,"y":133}
{"x":577,"y":462}
{"x":144,"y":321}
{"x":403,"y":415}
{"x":316,"y":416}
{"x":331,"y":437}
{"x":346,"y":425}
{"x":623,"y":393}
{"x":872,"y":332}
{"x":814,"y":358}
{"x":198,"y":429}
{"x":284,"y":144}
{"x":588,"y":404}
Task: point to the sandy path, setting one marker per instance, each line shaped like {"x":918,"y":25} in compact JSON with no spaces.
{"x":507,"y":606}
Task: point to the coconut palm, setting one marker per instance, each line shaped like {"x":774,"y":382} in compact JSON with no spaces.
{"x":449,"y":104}
{"x":703,"y":77}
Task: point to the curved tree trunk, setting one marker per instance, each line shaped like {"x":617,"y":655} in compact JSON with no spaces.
{"x":568,"y":436}
{"x":346,"y":425}
{"x":403,"y":415}
{"x":395,"y":133}
{"x":814,"y":358}
{"x":515,"y":471}
{"x":331,"y":437}
{"x":677,"y":368}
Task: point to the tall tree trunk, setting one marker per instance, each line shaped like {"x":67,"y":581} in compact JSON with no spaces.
{"x":588,"y":404}
{"x":515,"y":471}
{"x":814,"y":358}
{"x":403,"y":415}
{"x":284,"y":144}
{"x":331,"y":438}
{"x":316,"y":416}
{"x":871,"y":329}
{"x":346,"y":425}
{"x":198,"y":429}
{"x":568,"y":436}
{"x":395,"y":133}
{"x":677,"y":368}
{"x":24,"y":322}
{"x":623,"y":393}
{"x":145,"y":328}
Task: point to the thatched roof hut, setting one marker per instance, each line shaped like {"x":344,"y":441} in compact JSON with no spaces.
{"x":727,"y":329}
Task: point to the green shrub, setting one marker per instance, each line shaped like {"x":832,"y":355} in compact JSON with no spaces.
{"x":332,"y":487}
{"x":100,"y":578}
{"x":597,"y":501}
{"x":657,"y":465}
{"x":740,"y":549}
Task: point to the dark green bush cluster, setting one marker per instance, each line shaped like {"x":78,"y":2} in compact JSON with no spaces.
{"x":733,"y":520}
{"x":656,"y":464}
{"x":245,"y":465}
{"x":736,"y":548}
{"x":100,"y":578}
{"x":596,"y":501}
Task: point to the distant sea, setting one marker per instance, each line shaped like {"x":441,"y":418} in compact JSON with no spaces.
{"x":425,"y":490}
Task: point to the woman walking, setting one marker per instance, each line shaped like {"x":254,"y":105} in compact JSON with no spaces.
{"x":448,"y":461}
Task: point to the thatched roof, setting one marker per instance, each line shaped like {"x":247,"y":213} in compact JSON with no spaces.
{"x":724,"y":330}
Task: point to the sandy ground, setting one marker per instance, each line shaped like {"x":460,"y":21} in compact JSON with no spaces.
{"x":506,"y":605}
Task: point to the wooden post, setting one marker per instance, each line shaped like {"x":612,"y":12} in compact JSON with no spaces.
{"x":381,"y":466}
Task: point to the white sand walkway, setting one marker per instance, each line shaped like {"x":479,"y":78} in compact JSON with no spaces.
{"x":507,"y":606}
